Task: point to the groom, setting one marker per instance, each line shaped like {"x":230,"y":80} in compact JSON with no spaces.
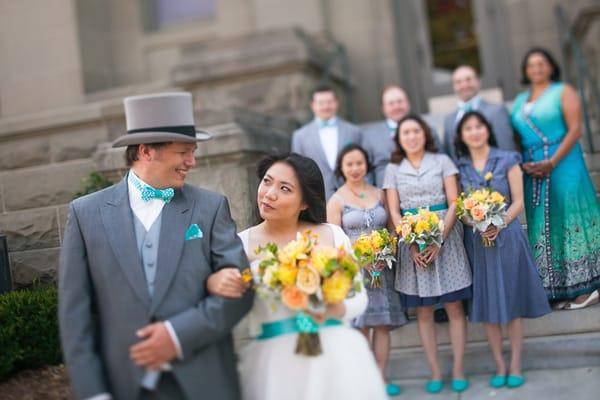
{"x":135,"y":318}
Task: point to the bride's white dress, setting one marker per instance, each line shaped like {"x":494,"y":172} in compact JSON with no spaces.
{"x":270,"y":369}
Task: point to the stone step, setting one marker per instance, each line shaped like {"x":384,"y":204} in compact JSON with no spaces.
{"x":556,"y":323}
{"x":592,"y":160}
{"x":548,"y":352}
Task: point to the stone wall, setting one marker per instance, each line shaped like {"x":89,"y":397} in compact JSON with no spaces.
{"x":251,"y":101}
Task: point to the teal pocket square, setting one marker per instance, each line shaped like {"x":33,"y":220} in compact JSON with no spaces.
{"x":193,"y":232}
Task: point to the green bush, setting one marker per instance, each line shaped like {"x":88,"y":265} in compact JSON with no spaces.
{"x":29,"y":329}
{"x":92,"y":183}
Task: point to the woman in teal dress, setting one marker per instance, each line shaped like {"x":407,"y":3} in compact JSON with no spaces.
{"x":563,"y":217}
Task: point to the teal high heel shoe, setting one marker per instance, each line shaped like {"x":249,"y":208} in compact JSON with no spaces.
{"x":515,"y":381}
{"x":459,"y":385}
{"x":498,"y":381}
{"x":392,"y":389}
{"x":434,"y":386}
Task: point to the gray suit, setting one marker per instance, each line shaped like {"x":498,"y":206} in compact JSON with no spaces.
{"x":497,"y":116}
{"x":306,"y":142}
{"x":104,"y":298}
{"x":378,"y":141}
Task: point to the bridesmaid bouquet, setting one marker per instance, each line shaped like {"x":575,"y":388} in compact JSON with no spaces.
{"x":374,"y":252}
{"x":306,"y":277}
{"x":482,"y":208}
{"x":423,"y":228}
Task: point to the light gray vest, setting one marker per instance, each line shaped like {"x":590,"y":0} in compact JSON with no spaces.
{"x":147,"y":244}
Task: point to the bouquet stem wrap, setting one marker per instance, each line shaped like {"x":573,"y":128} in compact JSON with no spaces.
{"x":309,"y":342}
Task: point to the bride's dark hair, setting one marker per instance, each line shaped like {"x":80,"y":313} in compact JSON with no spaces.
{"x":310,"y":179}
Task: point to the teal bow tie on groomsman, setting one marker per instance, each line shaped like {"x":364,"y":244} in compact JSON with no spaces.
{"x":466,"y":107}
{"x":331,"y":122}
{"x":148,"y":192}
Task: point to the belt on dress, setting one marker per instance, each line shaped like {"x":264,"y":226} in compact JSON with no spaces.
{"x":435,"y":207}
{"x":288,"y":325}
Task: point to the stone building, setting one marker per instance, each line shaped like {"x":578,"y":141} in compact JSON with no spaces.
{"x":65,"y":65}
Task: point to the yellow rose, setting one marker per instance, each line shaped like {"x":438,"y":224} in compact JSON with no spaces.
{"x":321,"y":255}
{"x":293,"y":251}
{"x":376,"y":240}
{"x":479,"y":196}
{"x":308,"y":280}
{"x":362,"y":245}
{"x":496,"y":198}
{"x":406,"y":230}
{"x":421,"y":227}
{"x":287,"y":274}
{"x":336,"y":287}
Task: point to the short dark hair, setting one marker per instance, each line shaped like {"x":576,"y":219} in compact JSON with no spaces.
{"x":399,"y":154}
{"x":310,"y":180}
{"x":131,"y":153}
{"x":459,"y":145}
{"x":340,"y":159}
{"x":322,"y":89}
{"x":554,"y":76}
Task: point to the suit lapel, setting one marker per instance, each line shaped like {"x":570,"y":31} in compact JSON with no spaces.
{"x":117,"y":220}
{"x":176,"y":218}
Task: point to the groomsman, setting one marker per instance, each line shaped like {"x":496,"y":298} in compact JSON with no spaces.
{"x":324,"y":137}
{"x":378,"y":137}
{"x":466,"y":86}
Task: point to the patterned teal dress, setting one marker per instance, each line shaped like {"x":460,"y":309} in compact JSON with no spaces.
{"x":563,"y":216}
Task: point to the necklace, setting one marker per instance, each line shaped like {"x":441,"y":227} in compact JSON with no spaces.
{"x":360,"y":195}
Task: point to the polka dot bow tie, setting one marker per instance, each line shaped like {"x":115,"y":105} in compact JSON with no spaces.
{"x":148,"y":192}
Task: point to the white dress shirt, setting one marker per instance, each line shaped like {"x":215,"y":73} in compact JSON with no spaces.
{"x":329,"y":141}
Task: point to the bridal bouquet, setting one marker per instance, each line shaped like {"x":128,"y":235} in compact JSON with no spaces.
{"x":375,"y":251}
{"x":423,"y":228}
{"x":306,"y":277}
{"x":482,"y":208}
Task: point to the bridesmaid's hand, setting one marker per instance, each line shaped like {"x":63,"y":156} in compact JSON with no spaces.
{"x":416,"y":256}
{"x":333,"y":311}
{"x":431,"y":253}
{"x":226,"y":282}
{"x":539,"y":169}
{"x":491,"y":233}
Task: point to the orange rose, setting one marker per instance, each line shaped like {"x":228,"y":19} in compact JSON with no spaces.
{"x":293,"y":298}
{"x":406,"y":230}
{"x":469,"y":203}
{"x":478,"y":212}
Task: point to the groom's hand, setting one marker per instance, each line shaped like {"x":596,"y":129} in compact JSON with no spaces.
{"x":156,"y":349}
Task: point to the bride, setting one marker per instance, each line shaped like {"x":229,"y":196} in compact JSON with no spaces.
{"x":291,"y":199}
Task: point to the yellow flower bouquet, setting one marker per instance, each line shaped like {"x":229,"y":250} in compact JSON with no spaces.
{"x":374,"y":251}
{"x":305,"y":276}
{"x":482,"y":208}
{"x":423,"y":228}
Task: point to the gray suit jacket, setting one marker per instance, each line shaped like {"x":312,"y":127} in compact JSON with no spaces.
{"x":306,"y":141}
{"x":498,"y":117}
{"x":104,"y":299}
{"x":379,"y":144}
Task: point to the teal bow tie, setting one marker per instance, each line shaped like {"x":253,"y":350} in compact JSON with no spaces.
{"x":328,"y":123}
{"x":148,"y":192}
{"x":466,"y":107}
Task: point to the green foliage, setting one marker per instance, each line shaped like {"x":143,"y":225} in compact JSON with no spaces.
{"x":29,"y":329}
{"x":92,"y":183}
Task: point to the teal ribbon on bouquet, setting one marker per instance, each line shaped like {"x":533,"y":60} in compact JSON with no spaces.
{"x":435,"y":207}
{"x":301,"y":323}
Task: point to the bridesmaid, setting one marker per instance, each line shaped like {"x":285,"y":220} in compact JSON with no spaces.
{"x":418,"y":177}
{"x":506,"y":285}
{"x":360,"y":208}
{"x":563,"y":216}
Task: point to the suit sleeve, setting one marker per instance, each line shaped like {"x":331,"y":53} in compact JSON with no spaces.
{"x":504,"y":131}
{"x":75,"y":305}
{"x":448,"y":136}
{"x":296,"y":145}
{"x":214,"y":317}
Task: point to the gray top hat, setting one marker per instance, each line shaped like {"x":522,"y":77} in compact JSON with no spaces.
{"x":160,"y":117}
